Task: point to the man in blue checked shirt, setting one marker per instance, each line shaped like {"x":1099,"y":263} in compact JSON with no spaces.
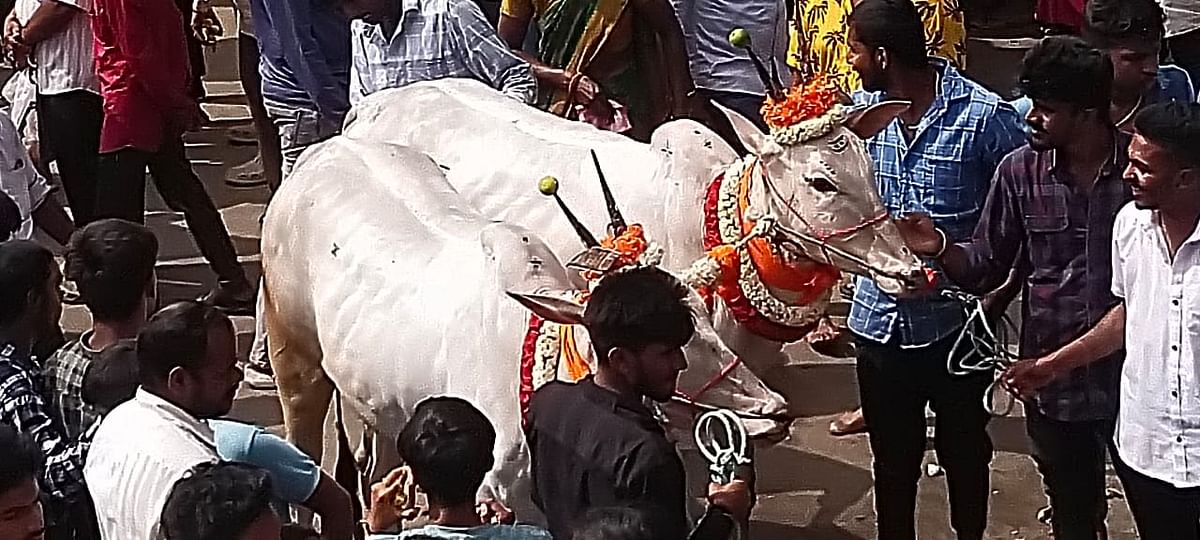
{"x":937,"y":158}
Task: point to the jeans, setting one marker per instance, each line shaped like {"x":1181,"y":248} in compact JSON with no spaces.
{"x":69,"y":132}
{"x":1160,"y":510}
{"x":1070,"y":457}
{"x":895,"y":385}
{"x":299,"y":128}
{"x":123,"y":175}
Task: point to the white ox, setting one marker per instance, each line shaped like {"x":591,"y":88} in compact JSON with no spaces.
{"x":494,"y":149}
{"x":381,"y":280}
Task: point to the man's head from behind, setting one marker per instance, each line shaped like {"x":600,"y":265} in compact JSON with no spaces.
{"x":638,"y":321}
{"x":448,"y":444}
{"x":885,"y":35}
{"x":1131,"y":32}
{"x":187,"y":354}
{"x":221,"y":501}
{"x":112,"y":263}
{"x":20,"y":505}
{"x":1070,"y":84}
{"x":615,"y":523}
{"x":1164,"y":156}
{"x":29,"y":288}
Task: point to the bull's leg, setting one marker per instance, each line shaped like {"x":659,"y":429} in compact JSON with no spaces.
{"x":304,"y":388}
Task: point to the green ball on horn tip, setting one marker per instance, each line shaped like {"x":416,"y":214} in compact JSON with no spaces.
{"x":739,"y":38}
{"x":548,"y":185}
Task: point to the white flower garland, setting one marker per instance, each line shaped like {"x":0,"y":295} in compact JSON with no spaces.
{"x":704,"y":272}
{"x":546,"y":352}
{"x":813,"y":128}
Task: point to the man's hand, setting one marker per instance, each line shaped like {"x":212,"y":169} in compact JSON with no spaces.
{"x":920,"y":234}
{"x":586,"y":91}
{"x":14,"y":45}
{"x":205,"y":24}
{"x":393,"y":500}
{"x":494,"y":512}
{"x":1027,"y":377}
{"x":733,"y":497}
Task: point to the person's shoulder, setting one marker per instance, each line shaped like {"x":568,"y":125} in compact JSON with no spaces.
{"x":1175,"y":82}
{"x":234,"y":439}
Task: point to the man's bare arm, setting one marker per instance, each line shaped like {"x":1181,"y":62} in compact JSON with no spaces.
{"x":50,"y":18}
{"x":1104,"y":339}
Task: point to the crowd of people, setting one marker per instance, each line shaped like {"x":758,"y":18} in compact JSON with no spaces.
{"x":1082,"y":196}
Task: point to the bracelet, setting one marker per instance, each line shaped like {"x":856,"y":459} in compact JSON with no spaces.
{"x":945,"y":244}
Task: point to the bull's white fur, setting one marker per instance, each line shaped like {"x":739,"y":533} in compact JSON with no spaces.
{"x":383,"y":281}
{"x":494,"y":150}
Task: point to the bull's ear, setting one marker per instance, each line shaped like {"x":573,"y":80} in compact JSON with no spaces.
{"x":550,"y":307}
{"x":868,"y":122}
{"x":752,"y":138}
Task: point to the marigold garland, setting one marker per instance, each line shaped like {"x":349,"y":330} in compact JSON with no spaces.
{"x":802,"y":102}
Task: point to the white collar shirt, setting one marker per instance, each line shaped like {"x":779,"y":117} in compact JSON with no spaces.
{"x":1158,"y":424}
{"x":141,"y":449}
{"x":63,"y":62}
{"x":435,"y":39}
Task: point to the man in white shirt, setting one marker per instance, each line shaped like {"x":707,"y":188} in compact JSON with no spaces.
{"x":55,"y":38}
{"x":21,"y":182}
{"x":187,"y":364}
{"x":395,"y":43}
{"x":1156,"y":274}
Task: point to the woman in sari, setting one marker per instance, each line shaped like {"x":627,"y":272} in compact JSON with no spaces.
{"x":605,"y":61}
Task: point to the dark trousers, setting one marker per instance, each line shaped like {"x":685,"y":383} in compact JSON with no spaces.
{"x":1070,"y":457}
{"x":895,"y":385}
{"x":69,"y":133}
{"x":1160,"y":510}
{"x":123,"y":175}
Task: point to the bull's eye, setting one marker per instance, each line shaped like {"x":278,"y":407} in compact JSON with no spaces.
{"x":839,"y":143}
{"x":822,"y":184}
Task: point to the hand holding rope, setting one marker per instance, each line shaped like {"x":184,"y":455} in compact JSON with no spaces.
{"x":722,"y":440}
{"x":978,"y":349}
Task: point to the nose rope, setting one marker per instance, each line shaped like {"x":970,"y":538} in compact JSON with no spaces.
{"x":724,"y":373}
{"x":723,"y":459}
{"x":978,"y":339}
{"x":819,"y":237}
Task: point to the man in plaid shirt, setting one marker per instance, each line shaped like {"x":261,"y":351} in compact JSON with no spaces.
{"x":112,"y":263}
{"x":1050,"y":213}
{"x":938,"y":158}
{"x":29,"y":309}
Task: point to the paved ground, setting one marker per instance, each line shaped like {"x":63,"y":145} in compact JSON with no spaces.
{"x":811,"y":486}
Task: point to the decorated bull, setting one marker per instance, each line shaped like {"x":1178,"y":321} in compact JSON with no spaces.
{"x":381,"y":280}
{"x":810,"y":177}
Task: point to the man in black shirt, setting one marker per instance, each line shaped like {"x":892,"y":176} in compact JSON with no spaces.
{"x":596,"y":443}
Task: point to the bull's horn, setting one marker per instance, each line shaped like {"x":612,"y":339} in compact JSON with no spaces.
{"x":549,"y":186}
{"x":616,"y":223}
{"x":740,"y":38}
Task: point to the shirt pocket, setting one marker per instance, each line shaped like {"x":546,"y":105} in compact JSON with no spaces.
{"x":1046,"y":211}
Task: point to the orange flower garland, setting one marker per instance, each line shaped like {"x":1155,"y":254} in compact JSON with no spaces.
{"x":803,"y":102}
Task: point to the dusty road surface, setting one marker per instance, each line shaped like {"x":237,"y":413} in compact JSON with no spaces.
{"x":811,"y":486}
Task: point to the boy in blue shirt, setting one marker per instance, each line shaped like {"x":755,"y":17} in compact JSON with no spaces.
{"x":448,"y":445}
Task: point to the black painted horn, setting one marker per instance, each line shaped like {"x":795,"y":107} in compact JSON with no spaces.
{"x":616,"y":223}
{"x":549,"y":186}
{"x":740,"y":38}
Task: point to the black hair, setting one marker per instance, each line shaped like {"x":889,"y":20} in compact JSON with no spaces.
{"x":1068,"y":70}
{"x":1109,"y":23}
{"x":448,"y":444}
{"x":112,"y":262}
{"x":113,"y":378}
{"x":20,"y":458}
{"x":24,"y":268}
{"x":892,"y":25}
{"x":638,"y":308}
{"x":615,"y":523}
{"x":1174,"y":125}
{"x":176,"y":336}
{"x":10,"y":217}
{"x":216,"y":501}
